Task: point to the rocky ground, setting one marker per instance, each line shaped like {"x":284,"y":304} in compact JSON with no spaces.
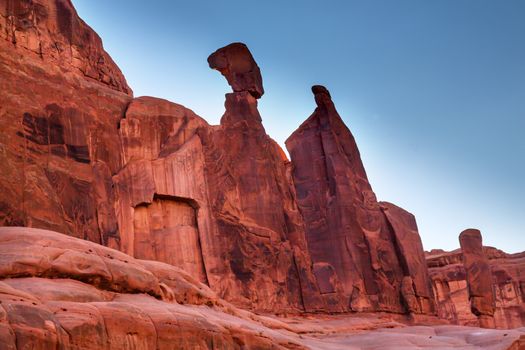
{"x":62,"y":292}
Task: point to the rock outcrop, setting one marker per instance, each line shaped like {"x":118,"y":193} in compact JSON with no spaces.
{"x":62,"y":99}
{"x":195,"y":213}
{"x":53,"y":31}
{"x":60,"y":292}
{"x":146,"y":176}
{"x":261,"y":229}
{"x":479,"y":279}
{"x":367,"y":256}
{"x":236,"y":64}
{"x":478,"y":287}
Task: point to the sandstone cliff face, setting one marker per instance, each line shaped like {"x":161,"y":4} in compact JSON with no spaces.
{"x":52,"y":30}
{"x":464,"y":297}
{"x":252,"y":198}
{"x":62,"y":97}
{"x":366,"y":255}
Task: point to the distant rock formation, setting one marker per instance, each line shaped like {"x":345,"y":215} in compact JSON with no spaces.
{"x":479,"y":279}
{"x":478,"y":286}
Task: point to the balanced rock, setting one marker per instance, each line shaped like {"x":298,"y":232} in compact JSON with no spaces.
{"x":239,"y":68}
{"x":253,"y":200}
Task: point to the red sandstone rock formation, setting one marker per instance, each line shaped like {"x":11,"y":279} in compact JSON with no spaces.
{"x":62,"y":98}
{"x":479,"y":279}
{"x":253,"y":201}
{"x":53,"y":31}
{"x":60,"y":292}
{"x":237,"y":65}
{"x":366,"y":255}
{"x":453,"y":286}
{"x":152,"y":179}
{"x":81,"y":157}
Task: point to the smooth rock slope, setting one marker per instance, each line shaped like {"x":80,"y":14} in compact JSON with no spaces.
{"x":60,"y":292}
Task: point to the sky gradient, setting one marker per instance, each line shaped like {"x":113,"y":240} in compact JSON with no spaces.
{"x":433,"y":91}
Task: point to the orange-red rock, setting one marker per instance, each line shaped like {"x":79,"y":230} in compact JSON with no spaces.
{"x":237,"y":65}
{"x":458,"y":294}
{"x":363,"y":252}
{"x":266,"y":262}
{"x":62,"y":98}
{"x":218,"y":212}
{"x":479,"y":279}
{"x":64,"y":309}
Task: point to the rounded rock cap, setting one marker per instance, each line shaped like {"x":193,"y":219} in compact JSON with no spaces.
{"x":237,"y":65}
{"x":320,"y":89}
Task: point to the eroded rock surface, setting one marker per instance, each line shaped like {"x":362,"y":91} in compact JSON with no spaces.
{"x":460,"y":298}
{"x":479,"y":279}
{"x":62,"y":98}
{"x":60,"y":292}
{"x":53,"y":31}
{"x":254,"y":206}
{"x":367,"y":256}
{"x":151,"y":179}
{"x":236,"y":64}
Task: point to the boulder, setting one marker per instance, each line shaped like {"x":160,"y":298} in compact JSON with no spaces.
{"x":236,"y":64}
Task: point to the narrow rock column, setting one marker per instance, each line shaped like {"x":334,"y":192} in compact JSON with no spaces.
{"x":479,"y":278}
{"x":253,"y":199}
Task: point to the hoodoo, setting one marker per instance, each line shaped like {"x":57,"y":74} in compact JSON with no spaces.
{"x":479,"y":279}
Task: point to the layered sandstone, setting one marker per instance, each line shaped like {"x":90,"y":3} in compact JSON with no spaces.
{"x":253,"y":201}
{"x":62,"y":99}
{"x":366,"y":255}
{"x":478,"y":287}
{"x":148,"y":177}
{"x":53,"y":31}
{"x":60,"y":292}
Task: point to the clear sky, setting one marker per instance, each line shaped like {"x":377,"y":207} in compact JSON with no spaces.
{"x":433,"y":91}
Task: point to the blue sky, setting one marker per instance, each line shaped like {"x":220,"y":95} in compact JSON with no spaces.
{"x":433,"y":91}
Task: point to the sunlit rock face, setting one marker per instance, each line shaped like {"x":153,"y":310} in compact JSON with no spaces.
{"x":52,"y":30}
{"x":61,"y":292}
{"x":367,"y":256}
{"x":150,"y":178}
{"x":478,"y":286}
{"x":60,"y":103}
